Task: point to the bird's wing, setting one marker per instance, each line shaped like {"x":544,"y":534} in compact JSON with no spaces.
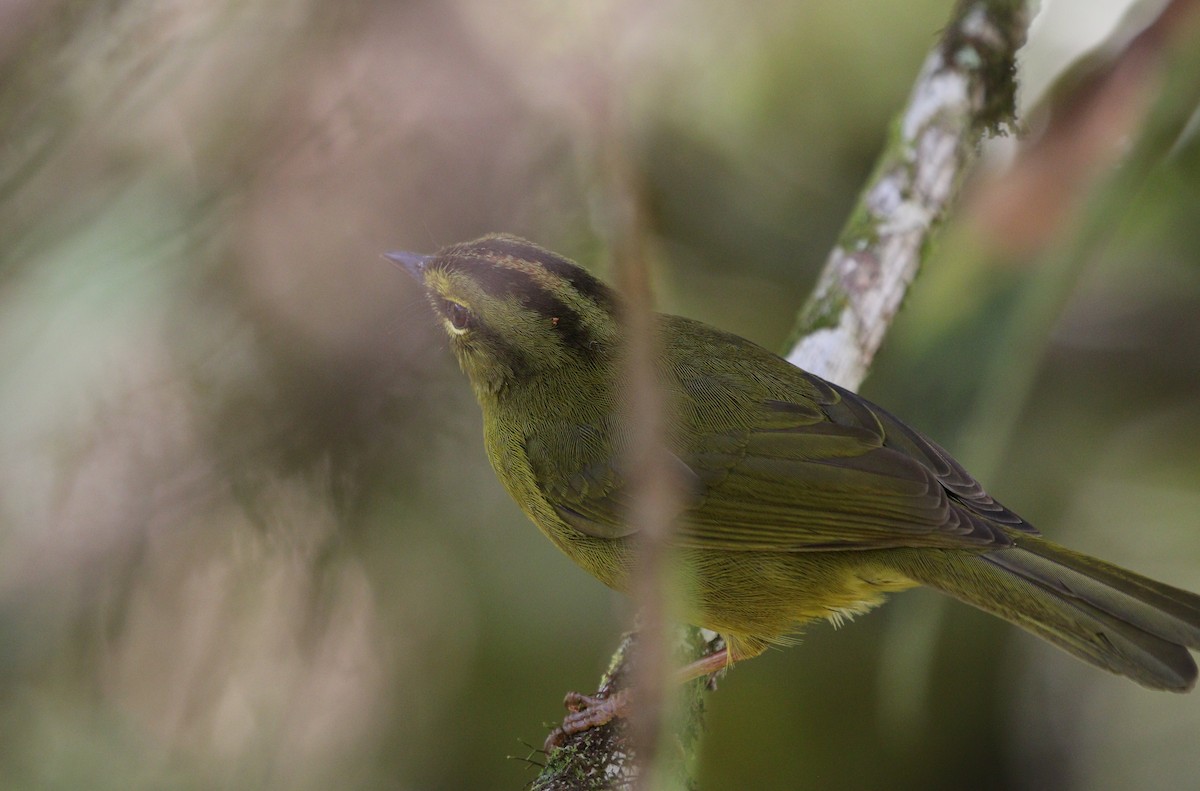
{"x":796,"y":481}
{"x":825,"y":473}
{"x":578,"y":471}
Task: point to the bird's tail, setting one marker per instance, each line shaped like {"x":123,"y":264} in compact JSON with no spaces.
{"x":1101,"y":613}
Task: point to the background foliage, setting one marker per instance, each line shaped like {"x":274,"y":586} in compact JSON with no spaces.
{"x":248,"y":535}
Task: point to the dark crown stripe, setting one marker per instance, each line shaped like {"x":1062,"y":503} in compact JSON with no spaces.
{"x":580,"y":279}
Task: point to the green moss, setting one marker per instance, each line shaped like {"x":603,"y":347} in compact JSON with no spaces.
{"x":990,"y":60}
{"x":862,"y":228}
{"x":822,"y":313}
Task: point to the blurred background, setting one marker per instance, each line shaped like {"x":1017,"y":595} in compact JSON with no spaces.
{"x":249,"y":538}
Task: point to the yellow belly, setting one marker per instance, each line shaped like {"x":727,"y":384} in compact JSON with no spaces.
{"x":754,"y":599}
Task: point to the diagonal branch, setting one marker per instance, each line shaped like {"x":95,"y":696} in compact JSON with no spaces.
{"x":966,"y":89}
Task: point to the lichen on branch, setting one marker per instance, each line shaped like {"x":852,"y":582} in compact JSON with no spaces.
{"x":965,"y":90}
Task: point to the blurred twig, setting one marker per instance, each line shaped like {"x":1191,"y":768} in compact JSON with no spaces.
{"x":1094,"y":108}
{"x":656,"y":490}
{"x":1054,"y":209}
{"x":965,"y":89}
{"x":611,"y":755}
{"x":1140,"y":92}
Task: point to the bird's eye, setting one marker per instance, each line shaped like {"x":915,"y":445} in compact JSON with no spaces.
{"x":459,"y":316}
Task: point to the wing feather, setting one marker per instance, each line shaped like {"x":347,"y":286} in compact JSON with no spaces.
{"x":794,"y":464}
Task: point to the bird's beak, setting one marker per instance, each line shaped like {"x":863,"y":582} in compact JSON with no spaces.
{"x":412,"y":263}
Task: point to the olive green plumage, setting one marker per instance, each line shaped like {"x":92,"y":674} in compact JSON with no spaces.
{"x":804,"y":500}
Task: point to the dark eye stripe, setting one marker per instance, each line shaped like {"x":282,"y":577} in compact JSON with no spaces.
{"x":504,"y":282}
{"x":485,"y":262}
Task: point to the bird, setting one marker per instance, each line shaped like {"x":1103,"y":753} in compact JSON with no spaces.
{"x":802,"y":500}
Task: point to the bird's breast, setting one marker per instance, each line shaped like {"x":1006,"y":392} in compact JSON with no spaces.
{"x":608,"y":560}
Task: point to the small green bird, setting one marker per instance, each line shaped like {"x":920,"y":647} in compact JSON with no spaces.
{"x":804,"y":500}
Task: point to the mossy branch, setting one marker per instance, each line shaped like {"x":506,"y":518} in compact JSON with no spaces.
{"x":965,"y":90}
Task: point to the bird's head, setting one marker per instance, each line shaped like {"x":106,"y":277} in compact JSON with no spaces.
{"x":515,"y":311}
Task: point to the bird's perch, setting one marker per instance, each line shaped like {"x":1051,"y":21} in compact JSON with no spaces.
{"x":965,"y":90}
